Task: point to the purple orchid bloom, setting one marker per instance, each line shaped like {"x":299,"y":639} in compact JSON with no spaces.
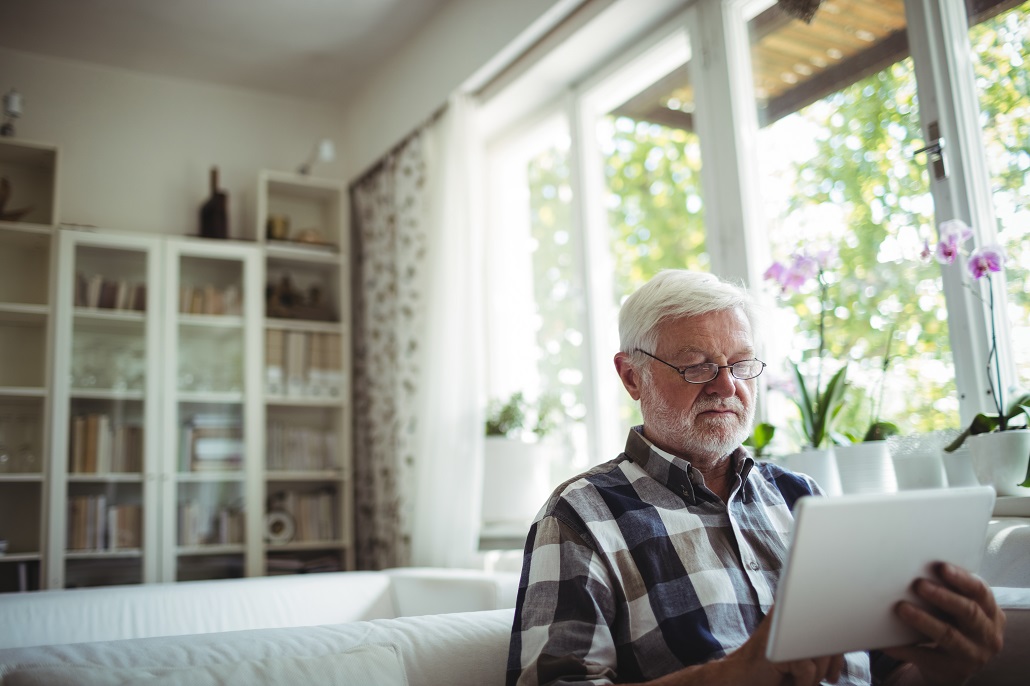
{"x":989,"y":258}
{"x":955,"y":231}
{"x":947,"y":250}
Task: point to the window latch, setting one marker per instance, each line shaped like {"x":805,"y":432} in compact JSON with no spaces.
{"x":935,"y":152}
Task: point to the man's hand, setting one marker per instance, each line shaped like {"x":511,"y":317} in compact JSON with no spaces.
{"x":965,"y":631}
{"x":750,"y":659}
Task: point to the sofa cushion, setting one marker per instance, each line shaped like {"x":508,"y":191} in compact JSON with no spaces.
{"x":367,"y":664}
{"x":192,"y":607}
{"x":455,"y":649}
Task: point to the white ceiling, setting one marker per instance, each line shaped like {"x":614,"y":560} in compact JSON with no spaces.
{"x":312,"y":49}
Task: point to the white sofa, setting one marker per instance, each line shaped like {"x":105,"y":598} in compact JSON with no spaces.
{"x":311,"y":644}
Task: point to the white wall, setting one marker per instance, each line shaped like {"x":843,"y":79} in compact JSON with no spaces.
{"x":449,"y":50}
{"x":136,"y":149}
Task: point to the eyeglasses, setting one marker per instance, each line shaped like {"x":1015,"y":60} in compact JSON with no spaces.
{"x":707,"y":371}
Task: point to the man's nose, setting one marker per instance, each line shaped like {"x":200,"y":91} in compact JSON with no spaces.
{"x":722,"y":385}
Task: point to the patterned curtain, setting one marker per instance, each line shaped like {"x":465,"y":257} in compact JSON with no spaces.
{"x":389,"y":215}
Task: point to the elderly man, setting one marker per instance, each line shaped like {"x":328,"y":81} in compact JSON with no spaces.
{"x":661,"y":565}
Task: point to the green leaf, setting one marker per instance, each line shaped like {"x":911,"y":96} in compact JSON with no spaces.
{"x":879,"y":431}
{"x":827,"y":407}
{"x":760,"y":437}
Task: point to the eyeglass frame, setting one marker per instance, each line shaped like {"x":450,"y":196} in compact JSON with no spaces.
{"x":682,"y":371}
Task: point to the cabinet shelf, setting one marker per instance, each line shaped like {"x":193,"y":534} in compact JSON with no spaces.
{"x":303,"y":401}
{"x":203,"y":477}
{"x":211,"y":321}
{"x":213,"y":549}
{"x":22,"y":313}
{"x":211,"y":397}
{"x":26,"y":234}
{"x":20,"y":557}
{"x":298,"y":475}
{"x":300,"y":253}
{"x":109,"y":477}
{"x":103,"y":320}
{"x":23,"y":477}
{"x":102,"y":554}
{"x":308,"y":325}
{"x":22,"y":392}
{"x":105,"y":394}
{"x":296,"y":546}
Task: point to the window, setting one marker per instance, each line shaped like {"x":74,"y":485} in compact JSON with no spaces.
{"x":784,"y":136}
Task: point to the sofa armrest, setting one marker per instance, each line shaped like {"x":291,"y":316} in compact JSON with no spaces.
{"x":430,"y":590}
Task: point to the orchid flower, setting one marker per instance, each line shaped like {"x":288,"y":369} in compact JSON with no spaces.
{"x":990,"y":258}
{"x":982,"y":262}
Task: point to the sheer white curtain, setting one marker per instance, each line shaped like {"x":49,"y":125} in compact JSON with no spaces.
{"x":449,"y":437}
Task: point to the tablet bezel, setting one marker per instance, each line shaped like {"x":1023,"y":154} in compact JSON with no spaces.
{"x":853,"y":557}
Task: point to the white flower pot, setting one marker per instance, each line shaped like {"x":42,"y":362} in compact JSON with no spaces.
{"x":516,"y":479}
{"x":819,"y":464}
{"x":865,"y":468}
{"x":1000,"y":459}
{"x":959,"y":466}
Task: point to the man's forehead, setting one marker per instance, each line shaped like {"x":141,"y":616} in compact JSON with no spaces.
{"x":700,"y":332}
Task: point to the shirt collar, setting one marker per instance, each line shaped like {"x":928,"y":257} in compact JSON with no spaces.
{"x":676,"y":473}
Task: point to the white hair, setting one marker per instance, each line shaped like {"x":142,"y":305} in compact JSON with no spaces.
{"x":675,"y":293}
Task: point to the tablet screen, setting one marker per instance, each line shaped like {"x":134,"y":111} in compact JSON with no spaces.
{"x":853,"y":557}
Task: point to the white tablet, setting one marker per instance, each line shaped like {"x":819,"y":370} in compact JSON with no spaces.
{"x":853,"y":557}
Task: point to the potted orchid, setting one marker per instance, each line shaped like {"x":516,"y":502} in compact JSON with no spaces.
{"x":818,"y":406}
{"x":1007,"y":425}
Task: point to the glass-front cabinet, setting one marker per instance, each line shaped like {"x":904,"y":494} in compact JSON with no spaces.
{"x":212,"y":361}
{"x":106,"y":401}
{"x":151,"y":425}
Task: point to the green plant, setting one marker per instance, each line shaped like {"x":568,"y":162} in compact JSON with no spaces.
{"x":986,"y":423}
{"x":819,"y":409}
{"x":517,"y":415}
{"x":761,"y":437}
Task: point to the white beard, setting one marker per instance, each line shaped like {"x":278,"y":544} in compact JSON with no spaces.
{"x":712,"y":437}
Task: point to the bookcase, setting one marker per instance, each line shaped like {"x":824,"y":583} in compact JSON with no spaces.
{"x":28,"y":213}
{"x":307,"y":488}
{"x":157,"y":413}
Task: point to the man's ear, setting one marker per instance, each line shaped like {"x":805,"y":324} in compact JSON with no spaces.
{"x":629,"y":374}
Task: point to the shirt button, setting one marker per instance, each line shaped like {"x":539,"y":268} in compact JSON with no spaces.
{"x":753,"y":565}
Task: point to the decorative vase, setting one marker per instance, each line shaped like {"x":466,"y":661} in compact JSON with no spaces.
{"x":917,"y":461}
{"x":865,"y":468}
{"x":959,"y":466}
{"x":1000,"y":459}
{"x":818,"y":463}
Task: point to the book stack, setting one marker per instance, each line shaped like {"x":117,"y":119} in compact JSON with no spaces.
{"x":303,"y":364}
{"x":209,"y":524}
{"x":95,"y":525}
{"x":211,"y":443}
{"x":97,"y":291}
{"x":209,"y":299}
{"x":97,"y":447}
{"x":301,"y":448}
{"x":313,"y":513}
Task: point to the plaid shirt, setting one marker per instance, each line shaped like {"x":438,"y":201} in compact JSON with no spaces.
{"x":634,"y":570}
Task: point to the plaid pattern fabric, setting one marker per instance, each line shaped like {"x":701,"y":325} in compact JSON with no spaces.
{"x":634,"y":570}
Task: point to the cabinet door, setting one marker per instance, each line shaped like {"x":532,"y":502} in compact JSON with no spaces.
{"x":104,"y":507}
{"x":213,"y":415}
